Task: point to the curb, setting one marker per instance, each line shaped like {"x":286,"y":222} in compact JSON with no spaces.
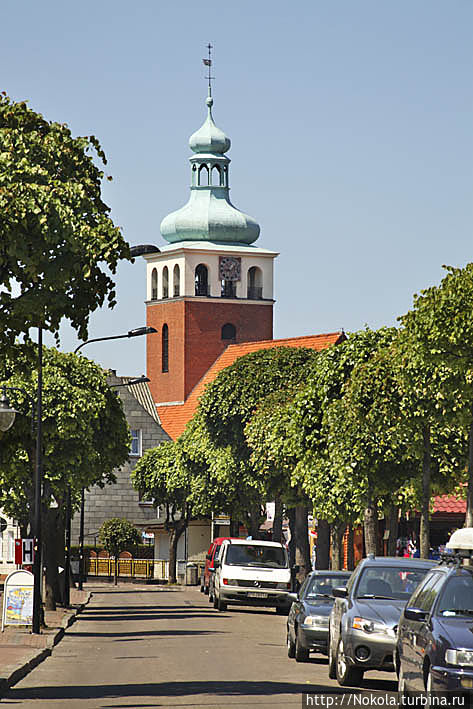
{"x":16,"y":674}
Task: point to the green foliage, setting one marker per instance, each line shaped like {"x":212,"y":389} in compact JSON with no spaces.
{"x":85,"y":434}
{"x":117,"y":534}
{"x":55,"y":228}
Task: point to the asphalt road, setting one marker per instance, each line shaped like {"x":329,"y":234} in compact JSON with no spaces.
{"x":151,"y":647}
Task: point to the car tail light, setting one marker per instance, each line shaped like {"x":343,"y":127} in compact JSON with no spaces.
{"x":225,"y":582}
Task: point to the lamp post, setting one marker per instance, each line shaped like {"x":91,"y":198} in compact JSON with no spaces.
{"x":137,"y":332}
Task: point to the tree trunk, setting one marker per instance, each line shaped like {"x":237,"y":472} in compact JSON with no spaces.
{"x":370,"y":526}
{"x":425,"y":505}
{"x":469,"y":494}
{"x":50,"y":524}
{"x":391,"y":517}
{"x":234,"y":527}
{"x":175,"y":531}
{"x":302,"y":542}
{"x":351,"y":548}
{"x":277,"y":522}
{"x":291,"y":515}
{"x":336,"y":535}
{"x":115,"y":569}
{"x":254,"y":521}
{"x":322,"y":557}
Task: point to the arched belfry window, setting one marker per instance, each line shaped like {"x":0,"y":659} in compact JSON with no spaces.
{"x":165,"y":282}
{"x":216,"y":175}
{"x":203,"y":175}
{"x":154,"y":284}
{"x":176,"y":277}
{"x":228,"y":332}
{"x":255,"y":283}
{"x":201,"y":280}
{"x":165,"y":349}
{"x":194,"y":174}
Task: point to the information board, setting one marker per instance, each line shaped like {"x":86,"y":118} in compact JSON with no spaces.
{"x":18,"y":599}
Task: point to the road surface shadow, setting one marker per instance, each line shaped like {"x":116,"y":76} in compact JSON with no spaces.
{"x":172,"y":689}
{"x":147,"y":633}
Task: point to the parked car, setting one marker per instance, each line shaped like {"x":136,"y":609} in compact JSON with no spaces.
{"x":434,"y":649}
{"x":364,"y":618}
{"x":210,"y":557}
{"x":307,"y":623}
{"x":252,"y":573}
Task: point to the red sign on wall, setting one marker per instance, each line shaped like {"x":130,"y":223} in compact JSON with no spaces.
{"x":18,"y":551}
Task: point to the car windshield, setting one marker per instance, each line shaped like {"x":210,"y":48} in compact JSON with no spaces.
{"x":457,"y":597}
{"x":391,"y":582}
{"x":256,"y":555}
{"x":322,"y":586}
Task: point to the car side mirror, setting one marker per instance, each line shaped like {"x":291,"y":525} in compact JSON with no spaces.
{"x":293,"y":596}
{"x":340,"y":592}
{"x":415,"y":614}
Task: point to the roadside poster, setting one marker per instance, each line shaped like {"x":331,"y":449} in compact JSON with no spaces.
{"x":18,"y":599}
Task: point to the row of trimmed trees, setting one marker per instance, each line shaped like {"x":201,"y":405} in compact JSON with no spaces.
{"x":373,"y":425}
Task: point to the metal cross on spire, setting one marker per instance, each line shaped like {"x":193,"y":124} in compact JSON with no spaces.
{"x":208,"y":63}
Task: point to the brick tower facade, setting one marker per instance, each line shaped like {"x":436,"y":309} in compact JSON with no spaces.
{"x":209,"y":287}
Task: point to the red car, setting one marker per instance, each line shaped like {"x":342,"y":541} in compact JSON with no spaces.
{"x":211,"y":555}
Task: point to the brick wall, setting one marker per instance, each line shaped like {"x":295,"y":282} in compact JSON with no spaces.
{"x":195,"y":340}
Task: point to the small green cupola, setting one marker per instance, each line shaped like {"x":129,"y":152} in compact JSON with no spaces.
{"x":209,"y":215}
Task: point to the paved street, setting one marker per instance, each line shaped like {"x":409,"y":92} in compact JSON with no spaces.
{"x":151,"y":647}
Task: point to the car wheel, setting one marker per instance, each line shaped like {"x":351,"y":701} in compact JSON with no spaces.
{"x":332,"y":667}
{"x":206,"y":590}
{"x":215,"y":601}
{"x":346,"y":676}
{"x":221,"y":605}
{"x":291,"y":648}
{"x":428,"y":680}
{"x":302,"y":653}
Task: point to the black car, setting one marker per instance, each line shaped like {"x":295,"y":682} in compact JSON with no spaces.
{"x":434,"y":649}
{"x":365,"y":616}
{"x":307,"y":623}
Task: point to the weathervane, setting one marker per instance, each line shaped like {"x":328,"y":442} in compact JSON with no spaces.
{"x":208,"y":62}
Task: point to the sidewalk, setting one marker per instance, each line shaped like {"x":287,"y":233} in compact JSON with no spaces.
{"x":20,"y":650}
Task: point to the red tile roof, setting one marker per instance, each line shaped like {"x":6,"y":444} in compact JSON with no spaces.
{"x":447,"y":504}
{"x":174,"y":418}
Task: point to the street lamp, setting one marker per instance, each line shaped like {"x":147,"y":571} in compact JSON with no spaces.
{"x":7,"y":414}
{"x":136,"y":332}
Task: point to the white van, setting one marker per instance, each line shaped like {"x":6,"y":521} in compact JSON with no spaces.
{"x":252,"y":573}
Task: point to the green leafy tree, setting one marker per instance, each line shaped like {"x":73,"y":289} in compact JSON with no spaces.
{"x":117,"y":534}
{"x":163,"y":479}
{"x":85,"y":436}
{"x":56,"y":230}
{"x":331,"y":485}
{"x":440,"y":323}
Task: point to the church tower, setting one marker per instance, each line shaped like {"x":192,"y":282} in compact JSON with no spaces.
{"x":209,"y":286}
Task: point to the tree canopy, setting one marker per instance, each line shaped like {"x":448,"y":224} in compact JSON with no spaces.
{"x":56,"y":230}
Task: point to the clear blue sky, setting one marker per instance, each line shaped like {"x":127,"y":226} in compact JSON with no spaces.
{"x":351,"y":127}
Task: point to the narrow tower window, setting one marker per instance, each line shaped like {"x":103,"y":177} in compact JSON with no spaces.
{"x":228,"y":331}
{"x":216,"y":175}
{"x":154,"y":284}
{"x":165,"y":348}
{"x":201,"y":280}
{"x":255,"y":283}
{"x":177,"y":281}
{"x":165,"y":282}
{"x":203,"y":175}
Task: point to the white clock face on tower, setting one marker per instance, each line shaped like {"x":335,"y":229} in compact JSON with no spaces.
{"x":230,"y":268}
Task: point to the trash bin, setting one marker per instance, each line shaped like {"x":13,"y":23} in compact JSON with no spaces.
{"x":191,"y":574}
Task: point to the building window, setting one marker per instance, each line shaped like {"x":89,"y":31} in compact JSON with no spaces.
{"x":135,"y":448}
{"x":255,"y":283}
{"x":154,"y":284}
{"x":228,"y":289}
{"x":228,"y":331}
{"x":201,"y":280}
{"x":204,"y":176}
{"x":165,"y":349}
{"x":176,"y":281}
{"x":165,"y":282}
